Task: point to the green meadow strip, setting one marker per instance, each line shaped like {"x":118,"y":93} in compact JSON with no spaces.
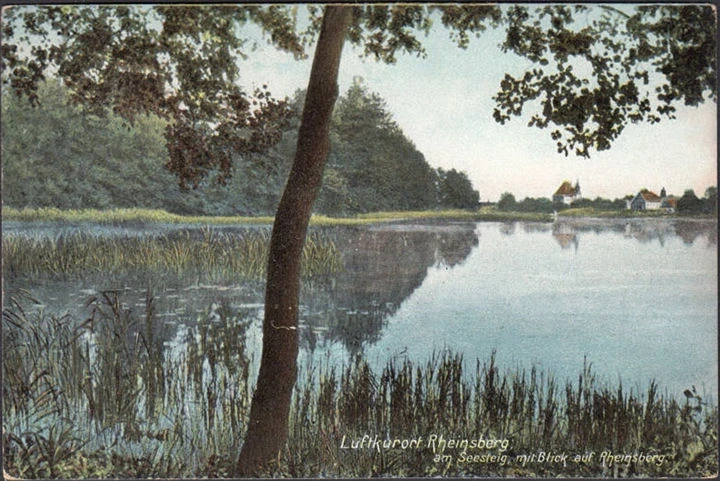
{"x":592,"y":212}
{"x":487,"y":213}
{"x":122,"y":216}
{"x":119,"y":216}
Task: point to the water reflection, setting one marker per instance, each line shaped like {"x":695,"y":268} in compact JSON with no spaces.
{"x":565,"y":235}
{"x":382,"y":267}
{"x":635,"y":313}
{"x":567,"y":232}
{"x":508,"y":228}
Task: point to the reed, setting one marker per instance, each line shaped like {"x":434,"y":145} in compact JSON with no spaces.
{"x":86,"y":397}
{"x":105,"y":396}
{"x":528,"y":408}
{"x":213,"y":255}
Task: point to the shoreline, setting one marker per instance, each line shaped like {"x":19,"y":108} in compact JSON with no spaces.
{"x":485,"y":214}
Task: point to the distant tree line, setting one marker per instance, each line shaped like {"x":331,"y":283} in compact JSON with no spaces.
{"x":56,"y":155}
{"x":508,"y":203}
{"x":689,"y":203}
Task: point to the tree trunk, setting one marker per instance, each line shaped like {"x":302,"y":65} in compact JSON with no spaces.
{"x":268,"y":427}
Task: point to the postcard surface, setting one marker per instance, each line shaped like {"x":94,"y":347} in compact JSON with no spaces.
{"x":359,"y":241}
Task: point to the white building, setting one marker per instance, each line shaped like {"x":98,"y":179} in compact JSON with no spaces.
{"x":567,"y":193}
{"x":649,"y":200}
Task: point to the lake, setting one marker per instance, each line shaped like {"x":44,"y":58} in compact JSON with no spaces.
{"x":636,"y":298}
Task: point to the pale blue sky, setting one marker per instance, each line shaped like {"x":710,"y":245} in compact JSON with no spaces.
{"x":444,"y":104}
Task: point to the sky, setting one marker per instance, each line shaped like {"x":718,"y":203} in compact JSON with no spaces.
{"x":443,"y":103}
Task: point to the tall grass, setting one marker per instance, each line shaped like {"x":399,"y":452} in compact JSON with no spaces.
{"x":107,"y":397}
{"x":531,"y":409}
{"x":104,"y":397}
{"x":213,"y":254}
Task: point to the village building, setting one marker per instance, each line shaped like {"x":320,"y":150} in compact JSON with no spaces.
{"x":669,"y":204}
{"x":649,"y":200}
{"x":567,"y":193}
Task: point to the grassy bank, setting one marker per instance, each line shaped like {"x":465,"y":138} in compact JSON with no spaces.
{"x":120,"y":216}
{"x":486,"y":213}
{"x":624,"y":213}
{"x":103,"y":397}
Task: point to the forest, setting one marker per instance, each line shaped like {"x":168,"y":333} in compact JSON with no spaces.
{"x":57,"y":155}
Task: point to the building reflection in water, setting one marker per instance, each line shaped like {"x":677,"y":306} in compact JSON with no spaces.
{"x":567,"y":232}
{"x":565,"y":235}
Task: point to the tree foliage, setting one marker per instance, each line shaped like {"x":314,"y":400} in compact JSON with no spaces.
{"x":598,"y":203}
{"x":382,"y":168}
{"x":176,"y":62}
{"x":593,"y":77}
{"x":689,"y":203}
{"x":711,"y":199}
{"x":55,"y":155}
{"x":592,"y":69}
{"x":455,"y":191}
{"x":507,"y":202}
{"x":531,"y":204}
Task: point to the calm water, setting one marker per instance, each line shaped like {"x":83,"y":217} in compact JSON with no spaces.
{"x":637,"y":298}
